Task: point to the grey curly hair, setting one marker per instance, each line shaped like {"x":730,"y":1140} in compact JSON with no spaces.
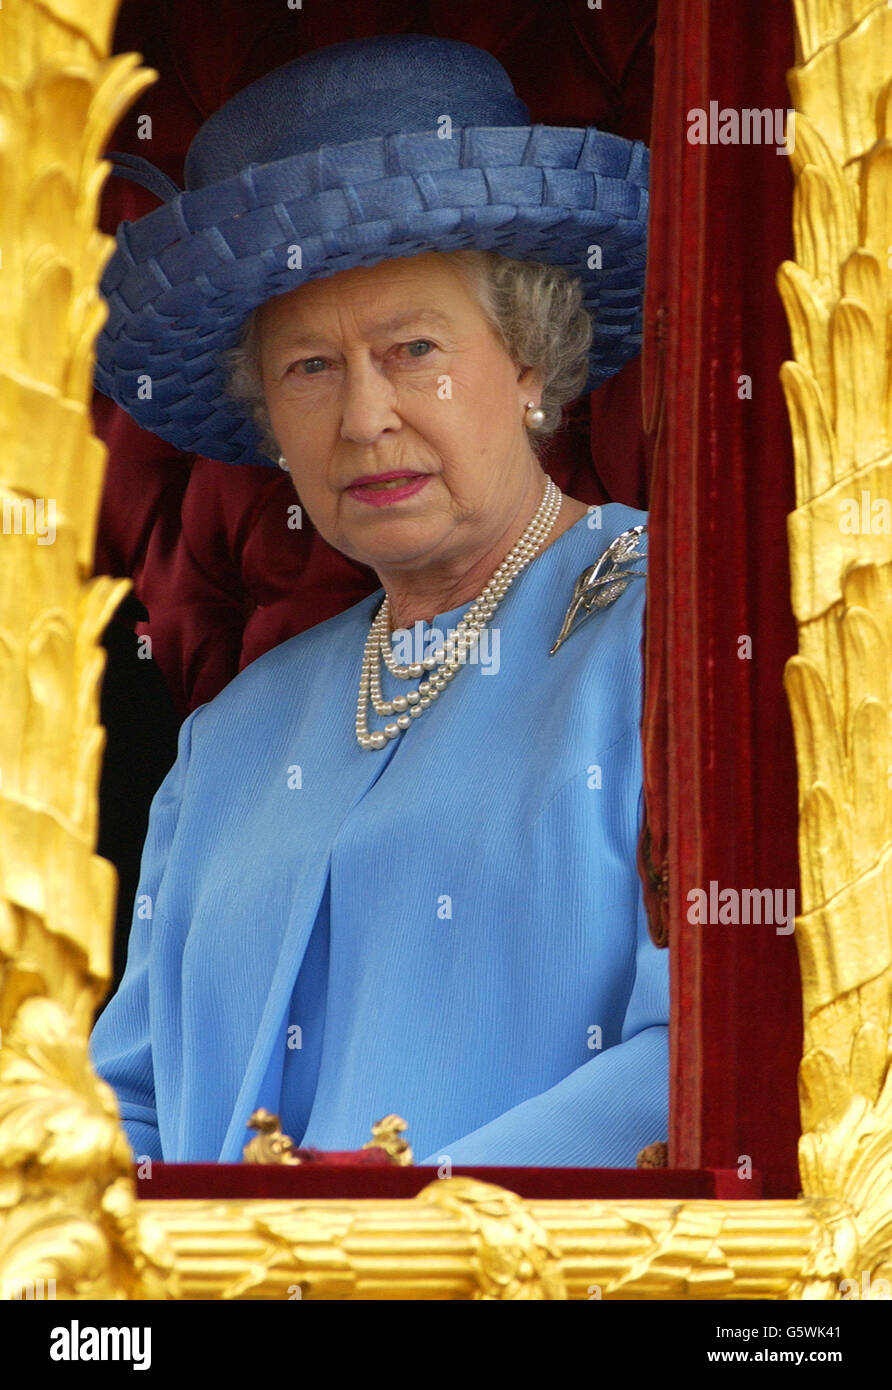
{"x":537,"y":310}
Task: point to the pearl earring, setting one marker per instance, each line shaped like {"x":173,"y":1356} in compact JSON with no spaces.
{"x":533,"y":416}
{"x":282,"y":463}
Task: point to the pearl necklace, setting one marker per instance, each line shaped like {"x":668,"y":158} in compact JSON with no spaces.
{"x":378,"y":643}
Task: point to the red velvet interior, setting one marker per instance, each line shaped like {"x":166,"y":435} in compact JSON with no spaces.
{"x":357,"y":1180}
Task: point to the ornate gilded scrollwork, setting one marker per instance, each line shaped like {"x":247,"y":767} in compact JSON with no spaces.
{"x":66,"y":1187}
{"x":514,"y":1258}
{"x":67,"y":1204}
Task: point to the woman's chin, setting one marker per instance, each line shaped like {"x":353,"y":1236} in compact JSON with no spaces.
{"x":389,"y":538}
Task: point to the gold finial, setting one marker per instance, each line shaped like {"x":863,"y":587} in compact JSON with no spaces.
{"x":386,"y":1135}
{"x":269,"y":1145}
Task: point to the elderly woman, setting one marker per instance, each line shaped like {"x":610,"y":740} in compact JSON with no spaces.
{"x":393,"y":866}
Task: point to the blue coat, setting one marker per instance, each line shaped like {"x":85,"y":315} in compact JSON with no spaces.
{"x":451,"y":928}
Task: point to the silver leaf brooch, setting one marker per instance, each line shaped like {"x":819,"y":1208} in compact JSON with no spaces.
{"x":603,"y":582}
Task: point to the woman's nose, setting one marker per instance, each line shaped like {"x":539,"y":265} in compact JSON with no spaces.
{"x":369,"y":404}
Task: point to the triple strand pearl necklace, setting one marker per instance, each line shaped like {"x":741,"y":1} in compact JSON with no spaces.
{"x":444,"y":666}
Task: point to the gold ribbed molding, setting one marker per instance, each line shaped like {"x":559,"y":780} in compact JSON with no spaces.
{"x":838,"y":295}
{"x":461,"y":1239}
{"x":67,"y":1195}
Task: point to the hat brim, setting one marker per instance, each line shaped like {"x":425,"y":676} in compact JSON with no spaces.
{"x":183,"y":279}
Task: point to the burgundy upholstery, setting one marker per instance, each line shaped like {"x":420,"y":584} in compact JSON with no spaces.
{"x":314,"y":1181}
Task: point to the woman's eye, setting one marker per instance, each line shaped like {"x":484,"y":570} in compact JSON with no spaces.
{"x":420,"y":347}
{"x":310,"y":366}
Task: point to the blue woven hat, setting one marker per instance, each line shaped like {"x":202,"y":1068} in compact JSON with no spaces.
{"x":354,"y":154}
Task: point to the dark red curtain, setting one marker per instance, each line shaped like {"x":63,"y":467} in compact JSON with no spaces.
{"x":719,"y":754}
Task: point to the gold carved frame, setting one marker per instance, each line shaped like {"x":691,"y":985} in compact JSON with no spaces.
{"x":68,"y":1210}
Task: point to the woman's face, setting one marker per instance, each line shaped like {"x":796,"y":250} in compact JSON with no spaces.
{"x":395,"y":368}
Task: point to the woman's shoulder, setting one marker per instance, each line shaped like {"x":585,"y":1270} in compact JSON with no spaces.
{"x":605,"y":523}
{"x":330,"y":645}
{"x":597,"y":589}
{"x":603,"y":545}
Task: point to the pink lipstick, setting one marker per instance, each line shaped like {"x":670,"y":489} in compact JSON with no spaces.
{"x":371,"y":488}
